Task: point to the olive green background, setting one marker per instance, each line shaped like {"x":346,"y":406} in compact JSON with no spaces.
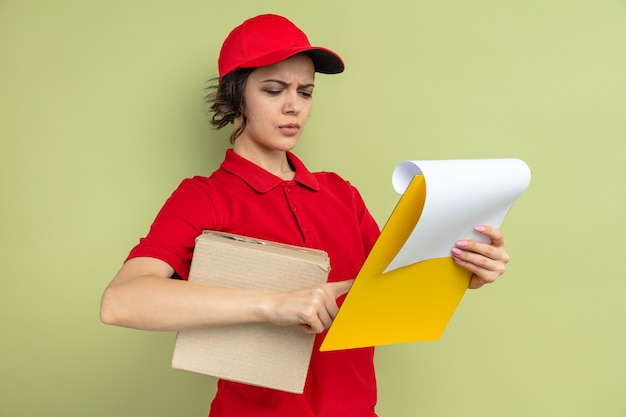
{"x":101,"y":116}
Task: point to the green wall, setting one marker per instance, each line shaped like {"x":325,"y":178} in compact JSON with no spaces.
{"x":101,"y":116}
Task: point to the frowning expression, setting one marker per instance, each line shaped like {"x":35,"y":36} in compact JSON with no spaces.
{"x":278,"y":101}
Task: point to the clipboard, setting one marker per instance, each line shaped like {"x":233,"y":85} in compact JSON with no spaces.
{"x":409,"y":287}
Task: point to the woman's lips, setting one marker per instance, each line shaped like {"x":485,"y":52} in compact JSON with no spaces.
{"x":289,"y":129}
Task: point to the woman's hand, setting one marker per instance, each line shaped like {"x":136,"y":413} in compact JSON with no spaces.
{"x":312,"y":308}
{"x":486,"y":261}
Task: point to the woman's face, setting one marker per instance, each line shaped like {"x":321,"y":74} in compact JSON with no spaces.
{"x":278,"y":100}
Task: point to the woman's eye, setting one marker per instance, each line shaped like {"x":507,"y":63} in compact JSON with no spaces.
{"x":273,"y":92}
{"x":306,"y":94}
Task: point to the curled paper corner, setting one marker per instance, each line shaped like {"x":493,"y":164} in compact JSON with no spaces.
{"x":403,"y":174}
{"x":405,"y":171}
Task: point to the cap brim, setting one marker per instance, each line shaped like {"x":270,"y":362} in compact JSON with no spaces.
{"x":324,"y":60}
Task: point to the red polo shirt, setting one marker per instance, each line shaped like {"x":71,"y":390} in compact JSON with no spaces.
{"x":316,"y":210}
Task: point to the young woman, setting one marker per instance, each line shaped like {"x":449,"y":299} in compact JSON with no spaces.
{"x":266,"y":81}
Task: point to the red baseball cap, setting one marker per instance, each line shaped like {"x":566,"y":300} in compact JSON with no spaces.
{"x":268,"y":39}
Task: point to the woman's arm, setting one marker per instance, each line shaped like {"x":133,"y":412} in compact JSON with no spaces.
{"x":143,"y":296}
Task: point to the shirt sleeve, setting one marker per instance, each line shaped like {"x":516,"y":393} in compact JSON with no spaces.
{"x":369,"y":228}
{"x":172,"y":235}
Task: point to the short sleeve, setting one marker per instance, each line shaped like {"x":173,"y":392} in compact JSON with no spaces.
{"x":369,"y":228}
{"x":183,"y":217}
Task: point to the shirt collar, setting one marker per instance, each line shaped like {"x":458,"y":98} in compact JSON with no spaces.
{"x":263,"y":181}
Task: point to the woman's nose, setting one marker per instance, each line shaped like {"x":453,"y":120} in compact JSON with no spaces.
{"x":291,"y":104}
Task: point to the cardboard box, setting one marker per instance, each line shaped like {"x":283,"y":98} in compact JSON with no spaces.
{"x":253,"y":353}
